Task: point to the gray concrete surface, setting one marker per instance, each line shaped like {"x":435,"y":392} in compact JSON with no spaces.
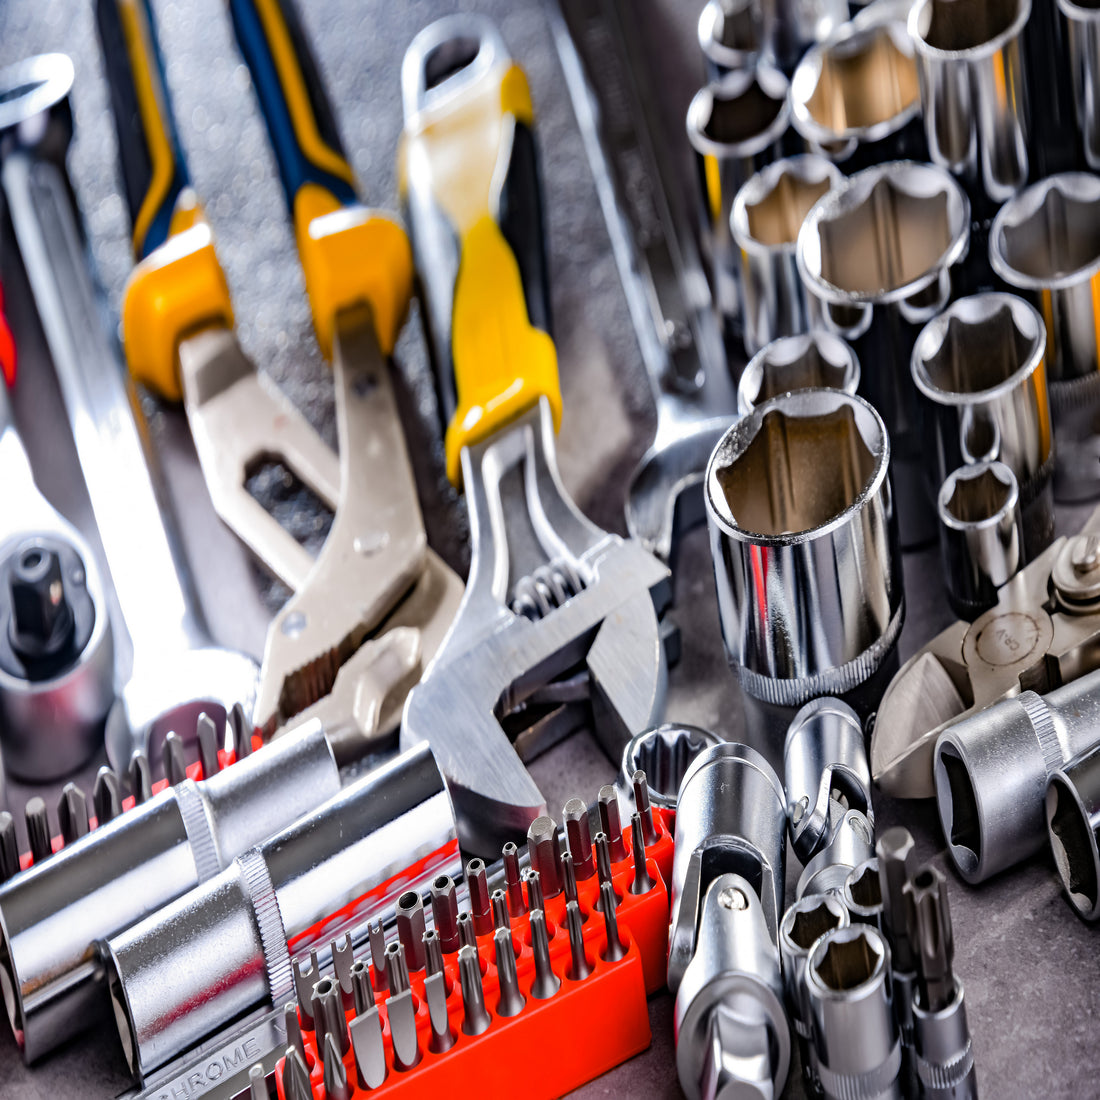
{"x":1030,"y":968}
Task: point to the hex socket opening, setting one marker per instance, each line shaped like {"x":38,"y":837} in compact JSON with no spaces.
{"x":849,"y":961}
{"x":730,"y":24}
{"x":865,"y":886}
{"x":740,"y":114}
{"x":958,"y":806}
{"x":816,"y":361}
{"x":1074,"y":845}
{"x":776,"y":202}
{"x":811,"y":922}
{"x":953,"y":26}
{"x":665,"y":754}
{"x":976,"y":494}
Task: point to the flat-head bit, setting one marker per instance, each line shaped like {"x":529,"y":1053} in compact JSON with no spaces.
{"x":370,"y":1051}
{"x":611,"y":822}
{"x":377,"y":936}
{"x":499,"y":901}
{"x":517,"y":905}
{"x":614,"y":951}
{"x":293,"y":1028}
{"x":480,"y":907}
{"x":897,"y":860}
{"x":335,"y":1076}
{"x":467,"y":934}
{"x":643,"y":808}
{"x":257,"y":1084}
{"x":72,"y":813}
{"x":578,"y":960}
{"x":534,"y":889}
{"x":305,"y":978}
{"x":445,"y":912}
{"x":511,"y":1000}
{"x":544,"y":853}
{"x":106,"y":796}
{"x":568,"y":878}
{"x":343,"y":958}
{"x":9,"y":850}
{"x":362,"y":995}
{"x":578,"y":833}
{"x":295,"y":1081}
{"x":397,"y":970}
{"x":546,"y":982}
{"x":401,"y":1013}
{"x":433,"y":953}
{"x":642,"y":882}
{"x":206,"y":733}
{"x":435,"y":995}
{"x":175,"y":759}
{"x":242,"y":731}
{"x":475,"y":1017}
{"x":929,"y":927}
{"x":139,"y":777}
{"x":410,"y":928}
{"x":327,"y":1010}
{"x":38,"y":829}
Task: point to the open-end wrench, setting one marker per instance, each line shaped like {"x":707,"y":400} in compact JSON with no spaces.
{"x":176,"y":672}
{"x":658,"y":262}
{"x":558,"y":615}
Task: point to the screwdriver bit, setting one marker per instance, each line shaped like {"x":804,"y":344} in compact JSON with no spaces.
{"x":343,"y":958}
{"x":511,"y":1000}
{"x":242,"y":731}
{"x":139,"y":777}
{"x":499,"y":901}
{"x":377,"y":936}
{"x":517,"y":906}
{"x":9,"y":850}
{"x":175,"y":759}
{"x":467,"y":935}
{"x":397,"y":970}
{"x":335,"y":1076}
{"x":305,"y":977}
{"x":296,"y":1084}
{"x":578,"y":960}
{"x":410,"y":928}
{"x":370,"y":1053}
{"x":480,"y":907}
{"x":929,"y":923}
{"x":72,"y":813}
{"x":401,"y":1013}
{"x":435,"y":994}
{"x":38,"y":829}
{"x":544,"y":853}
{"x":611,"y":822}
{"x":897,"y":857}
{"x":603,"y":861}
{"x":293,"y":1028}
{"x":257,"y":1085}
{"x":433,"y":953}
{"x":546,"y":982}
{"x":642,"y":882}
{"x":534,"y":889}
{"x":106,"y":796}
{"x":614,"y":951}
{"x":475,"y":1017}
{"x":643,"y":809}
{"x":445,"y":912}
{"x":362,"y":995}
{"x":328,"y":1015}
{"x":578,"y":833}
{"x":568,"y":878}
{"x":206,"y":733}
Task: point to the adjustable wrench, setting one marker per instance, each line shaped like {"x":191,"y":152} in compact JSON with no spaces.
{"x":558,"y":615}
{"x":655,"y":252}
{"x":176,"y":673}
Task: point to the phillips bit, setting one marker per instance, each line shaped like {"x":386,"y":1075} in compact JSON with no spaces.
{"x":897,"y":858}
{"x":293,"y":1028}
{"x":304,"y":980}
{"x":206,"y":733}
{"x":480,"y":906}
{"x":445,"y":912}
{"x":475,"y":1017}
{"x":611,"y":822}
{"x":72,"y":813}
{"x":139,"y":777}
{"x":499,"y":901}
{"x":335,"y":1076}
{"x":467,"y":935}
{"x":362,"y":996}
{"x":242,"y":731}
{"x":370,"y":1053}
{"x":38,"y":829}
{"x":410,"y":928}
{"x":377,"y":936}
{"x":9,"y":850}
{"x":435,"y":994}
{"x":642,"y":882}
{"x":929,"y":926}
{"x":614,"y":951}
{"x":534,"y":890}
{"x":578,"y":833}
{"x":106,"y":796}
{"x":433,"y":953}
{"x":511,"y":1000}
{"x":257,"y":1084}
{"x":643,"y":808}
{"x":343,"y":958}
{"x":397,"y":970}
{"x":296,"y":1084}
{"x":544,"y":854}
{"x":517,"y":905}
{"x":569,"y":880}
{"x":578,"y":960}
{"x":401,"y":1013}
{"x":175,"y":759}
{"x":327,"y":1010}
{"x":546,"y":982}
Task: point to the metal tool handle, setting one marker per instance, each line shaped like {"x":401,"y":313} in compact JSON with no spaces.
{"x":470,"y":181}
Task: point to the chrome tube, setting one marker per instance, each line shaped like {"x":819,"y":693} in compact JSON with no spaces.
{"x":1083,"y":39}
{"x":1073,"y":826}
{"x":730,"y":33}
{"x":816,"y":360}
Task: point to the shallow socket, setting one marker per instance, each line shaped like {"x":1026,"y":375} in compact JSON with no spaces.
{"x":955,"y":26}
{"x":814,"y":361}
{"x":813,"y":917}
{"x":850,"y":958}
{"x":975,"y":494}
{"x":1074,"y":846}
{"x":729,"y":32}
{"x":775,"y":202}
{"x":739,"y":115}
{"x":958,"y":806}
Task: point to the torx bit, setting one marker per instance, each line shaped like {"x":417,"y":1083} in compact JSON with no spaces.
{"x":578,"y":960}
{"x":206,"y":733}
{"x":410,"y":928}
{"x":397,"y":970}
{"x":293,"y":1028}
{"x":327,"y":1011}
{"x":377,"y":936}
{"x":569,"y":880}
{"x":929,"y":926}
{"x":72,"y":813}
{"x":370,"y":1052}
{"x":475,"y":1017}
{"x":401,"y":1013}
{"x":511,"y":1000}
{"x":480,"y":907}
{"x":614,"y":951}
{"x":603,"y":861}
{"x":499,"y":901}
{"x":517,"y":905}
{"x":38,"y":829}
{"x":467,"y":935}
{"x":435,"y":994}
{"x":546,"y":982}
{"x":257,"y":1084}
{"x":175,"y":759}
{"x":445,"y":912}
{"x":643,"y":808}
{"x":9,"y":850}
{"x":433,"y":953}
{"x":343,"y":958}
{"x":897,"y":858}
{"x":106,"y":796}
{"x":544,"y":853}
{"x":362,"y":995}
{"x":296,"y":1084}
{"x":611,"y":821}
{"x":578,"y":834}
{"x":642,"y":882}
{"x":242,"y":731}
{"x":534,"y":890}
{"x":139,"y":777}
{"x":335,"y":1076}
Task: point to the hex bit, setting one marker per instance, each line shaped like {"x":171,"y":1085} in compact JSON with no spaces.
{"x":175,"y":759}
{"x":206,"y":733}
{"x":643,"y":809}
{"x":106,"y":796}
{"x":9,"y":850}
{"x":445,"y":912}
{"x":475,"y":1017}
{"x":611,"y":822}
{"x":38,"y":829}
{"x":72,"y":813}
{"x":517,"y":905}
{"x":410,"y":928}
{"x":578,"y":834}
{"x":544,"y":852}
{"x":480,"y":907}
{"x":546,"y":982}
{"x":328,"y":1014}
{"x":242,"y":731}
{"x":139,"y":777}
{"x":642,"y":882}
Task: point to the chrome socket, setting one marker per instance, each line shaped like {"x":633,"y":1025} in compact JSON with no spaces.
{"x":991,"y":771}
{"x":973,"y":89}
{"x":731,"y":817}
{"x":53,"y":915}
{"x":1073,"y":826}
{"x":767,"y":214}
{"x":878,"y":252}
{"x":1083,"y":27}
{"x":1045,"y":243}
{"x":943,"y":1052}
{"x":981,"y":535}
{"x":664,"y":754}
{"x":729,"y":33}
{"x":222,"y":950}
{"x":980,"y":366}
{"x":803,"y":479}
{"x":815,"y":360}
{"x":734,"y":126}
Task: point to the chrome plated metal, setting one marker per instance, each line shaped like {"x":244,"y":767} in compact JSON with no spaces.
{"x":1082,"y":21}
{"x":862,"y":894}
{"x":664,"y":753}
{"x":1073,"y":826}
{"x":730,"y":34}
{"x":815,"y":360}
{"x":788,"y":27}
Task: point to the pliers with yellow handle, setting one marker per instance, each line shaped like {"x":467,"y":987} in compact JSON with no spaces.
{"x":368,"y":614}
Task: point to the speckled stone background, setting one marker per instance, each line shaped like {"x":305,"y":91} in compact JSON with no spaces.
{"x":1031,"y":969}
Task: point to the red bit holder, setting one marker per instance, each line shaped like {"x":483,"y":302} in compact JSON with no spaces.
{"x":587,"y":1026}
{"x":7,"y":346}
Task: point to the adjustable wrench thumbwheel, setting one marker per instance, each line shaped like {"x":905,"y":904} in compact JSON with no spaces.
{"x":558,"y":616}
